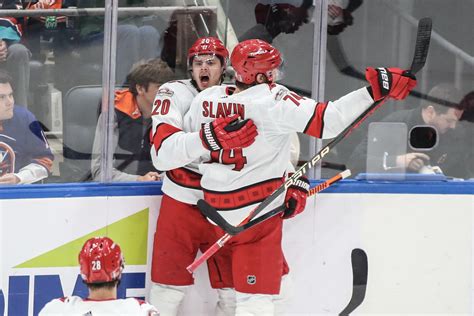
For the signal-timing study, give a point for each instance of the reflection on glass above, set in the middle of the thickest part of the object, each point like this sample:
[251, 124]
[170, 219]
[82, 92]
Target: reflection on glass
[442, 115]
[276, 17]
[388, 42]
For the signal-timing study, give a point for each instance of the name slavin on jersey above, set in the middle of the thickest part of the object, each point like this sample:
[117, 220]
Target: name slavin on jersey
[222, 109]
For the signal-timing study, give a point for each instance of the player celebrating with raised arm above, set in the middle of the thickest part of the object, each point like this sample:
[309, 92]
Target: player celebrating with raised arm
[235, 181]
[101, 264]
[181, 229]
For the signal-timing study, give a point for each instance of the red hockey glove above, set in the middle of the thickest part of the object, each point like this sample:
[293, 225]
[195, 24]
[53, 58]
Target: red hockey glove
[295, 198]
[390, 82]
[228, 133]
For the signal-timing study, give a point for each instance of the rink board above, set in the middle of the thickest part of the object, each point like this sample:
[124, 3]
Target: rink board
[417, 236]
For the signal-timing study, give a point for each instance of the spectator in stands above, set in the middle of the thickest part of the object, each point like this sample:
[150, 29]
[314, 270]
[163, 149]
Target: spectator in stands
[14, 56]
[467, 103]
[135, 41]
[25, 156]
[442, 111]
[276, 17]
[461, 141]
[101, 263]
[132, 124]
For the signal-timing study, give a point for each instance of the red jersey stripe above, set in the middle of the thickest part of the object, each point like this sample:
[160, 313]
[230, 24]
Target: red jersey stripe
[185, 178]
[162, 132]
[255, 193]
[316, 122]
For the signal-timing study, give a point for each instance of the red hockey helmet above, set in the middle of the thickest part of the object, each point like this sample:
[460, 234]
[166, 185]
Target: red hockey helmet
[252, 57]
[208, 46]
[101, 260]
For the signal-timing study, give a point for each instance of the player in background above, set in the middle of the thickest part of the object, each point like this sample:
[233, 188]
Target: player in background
[236, 181]
[181, 229]
[101, 264]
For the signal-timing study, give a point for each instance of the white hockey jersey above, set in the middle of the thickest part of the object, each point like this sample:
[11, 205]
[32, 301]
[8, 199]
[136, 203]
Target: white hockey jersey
[74, 305]
[173, 148]
[234, 181]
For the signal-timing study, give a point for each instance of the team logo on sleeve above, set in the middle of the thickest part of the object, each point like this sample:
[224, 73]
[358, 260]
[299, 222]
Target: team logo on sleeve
[7, 159]
[280, 94]
[165, 92]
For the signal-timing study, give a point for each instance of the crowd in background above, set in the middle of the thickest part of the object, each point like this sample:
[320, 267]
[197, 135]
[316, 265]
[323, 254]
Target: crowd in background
[40, 52]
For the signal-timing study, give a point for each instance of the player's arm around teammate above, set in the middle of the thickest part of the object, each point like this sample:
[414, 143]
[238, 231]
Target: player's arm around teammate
[181, 230]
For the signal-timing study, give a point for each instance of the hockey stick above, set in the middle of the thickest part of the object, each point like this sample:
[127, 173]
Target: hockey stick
[220, 243]
[419, 59]
[213, 215]
[360, 269]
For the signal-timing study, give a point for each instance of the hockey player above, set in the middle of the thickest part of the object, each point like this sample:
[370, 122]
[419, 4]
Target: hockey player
[181, 229]
[235, 181]
[101, 263]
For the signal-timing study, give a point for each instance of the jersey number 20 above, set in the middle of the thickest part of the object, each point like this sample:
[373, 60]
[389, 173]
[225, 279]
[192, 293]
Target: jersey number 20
[161, 107]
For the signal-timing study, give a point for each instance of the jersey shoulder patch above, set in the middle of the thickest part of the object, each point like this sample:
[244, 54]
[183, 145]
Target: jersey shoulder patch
[280, 93]
[165, 91]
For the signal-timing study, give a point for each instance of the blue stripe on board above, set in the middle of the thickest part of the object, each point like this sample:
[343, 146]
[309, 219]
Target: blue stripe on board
[34, 191]
[137, 189]
[401, 187]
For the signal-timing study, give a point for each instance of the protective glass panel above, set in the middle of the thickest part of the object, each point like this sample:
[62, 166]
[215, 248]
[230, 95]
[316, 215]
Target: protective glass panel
[56, 54]
[443, 95]
[386, 147]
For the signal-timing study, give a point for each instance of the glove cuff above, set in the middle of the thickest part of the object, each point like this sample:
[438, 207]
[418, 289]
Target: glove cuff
[302, 184]
[208, 137]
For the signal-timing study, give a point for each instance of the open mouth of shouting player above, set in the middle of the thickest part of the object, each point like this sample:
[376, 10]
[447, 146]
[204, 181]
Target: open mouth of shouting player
[207, 71]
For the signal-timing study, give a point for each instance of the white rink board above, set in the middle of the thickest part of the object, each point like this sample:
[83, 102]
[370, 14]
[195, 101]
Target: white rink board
[419, 249]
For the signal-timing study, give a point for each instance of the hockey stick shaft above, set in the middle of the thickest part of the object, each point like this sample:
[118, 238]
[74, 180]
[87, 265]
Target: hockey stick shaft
[338, 56]
[211, 213]
[221, 242]
[419, 59]
[282, 208]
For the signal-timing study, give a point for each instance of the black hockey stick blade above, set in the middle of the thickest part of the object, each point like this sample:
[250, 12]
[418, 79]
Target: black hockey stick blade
[211, 213]
[360, 269]
[423, 37]
[264, 217]
[207, 209]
